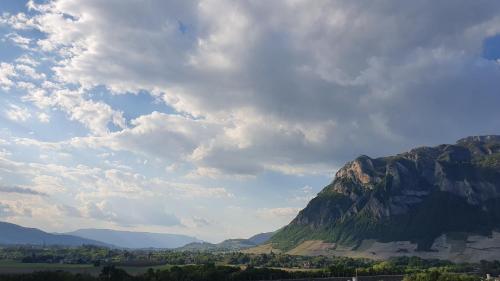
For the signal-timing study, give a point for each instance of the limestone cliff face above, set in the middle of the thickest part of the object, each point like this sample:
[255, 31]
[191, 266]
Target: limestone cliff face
[414, 196]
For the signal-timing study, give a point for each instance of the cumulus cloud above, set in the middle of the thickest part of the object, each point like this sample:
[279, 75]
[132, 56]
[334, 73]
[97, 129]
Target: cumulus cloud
[45, 94]
[43, 117]
[17, 113]
[7, 72]
[27, 60]
[95, 115]
[248, 88]
[19, 40]
[156, 134]
[19, 21]
[29, 72]
[289, 86]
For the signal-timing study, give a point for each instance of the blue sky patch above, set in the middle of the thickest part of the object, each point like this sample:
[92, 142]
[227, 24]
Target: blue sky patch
[491, 48]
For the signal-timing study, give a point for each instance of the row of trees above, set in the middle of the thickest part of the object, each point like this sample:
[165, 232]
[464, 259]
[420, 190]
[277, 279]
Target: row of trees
[207, 272]
[213, 273]
[440, 276]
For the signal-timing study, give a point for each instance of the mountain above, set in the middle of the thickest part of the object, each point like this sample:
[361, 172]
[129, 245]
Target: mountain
[441, 202]
[13, 234]
[261, 238]
[135, 240]
[199, 247]
[228, 245]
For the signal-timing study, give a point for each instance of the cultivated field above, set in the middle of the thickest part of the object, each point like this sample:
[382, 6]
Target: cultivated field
[12, 267]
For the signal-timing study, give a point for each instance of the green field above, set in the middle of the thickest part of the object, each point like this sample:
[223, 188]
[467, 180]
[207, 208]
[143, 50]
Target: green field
[14, 267]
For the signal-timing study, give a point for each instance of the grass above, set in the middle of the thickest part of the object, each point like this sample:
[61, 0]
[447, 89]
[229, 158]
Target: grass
[311, 247]
[15, 264]
[12, 267]
[15, 267]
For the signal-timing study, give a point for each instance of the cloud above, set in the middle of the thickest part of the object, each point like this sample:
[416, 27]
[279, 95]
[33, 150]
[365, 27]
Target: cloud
[18, 113]
[43, 117]
[289, 86]
[49, 94]
[19, 21]
[20, 190]
[69, 211]
[14, 210]
[7, 72]
[19, 40]
[168, 136]
[27, 60]
[139, 215]
[5, 211]
[99, 183]
[196, 222]
[95, 115]
[104, 195]
[29, 72]
[280, 213]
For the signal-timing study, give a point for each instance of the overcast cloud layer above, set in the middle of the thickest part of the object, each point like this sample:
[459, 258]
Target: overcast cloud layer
[192, 110]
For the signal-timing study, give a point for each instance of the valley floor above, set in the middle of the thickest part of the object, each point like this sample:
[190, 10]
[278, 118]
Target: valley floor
[9, 267]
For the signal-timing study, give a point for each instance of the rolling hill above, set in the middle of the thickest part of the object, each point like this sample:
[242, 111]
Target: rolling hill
[228, 245]
[12, 234]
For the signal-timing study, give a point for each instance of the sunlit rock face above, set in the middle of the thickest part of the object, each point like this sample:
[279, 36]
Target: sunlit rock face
[415, 196]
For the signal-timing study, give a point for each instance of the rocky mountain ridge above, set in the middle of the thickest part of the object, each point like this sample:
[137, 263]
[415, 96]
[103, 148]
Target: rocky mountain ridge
[416, 196]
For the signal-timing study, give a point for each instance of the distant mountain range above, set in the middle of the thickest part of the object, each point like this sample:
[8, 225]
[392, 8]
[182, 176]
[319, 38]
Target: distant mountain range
[229, 244]
[135, 240]
[433, 202]
[12, 234]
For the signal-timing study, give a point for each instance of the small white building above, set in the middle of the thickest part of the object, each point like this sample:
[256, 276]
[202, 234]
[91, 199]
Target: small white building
[491, 278]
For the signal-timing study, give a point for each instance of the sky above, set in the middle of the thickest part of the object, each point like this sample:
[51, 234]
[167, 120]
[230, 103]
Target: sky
[222, 119]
